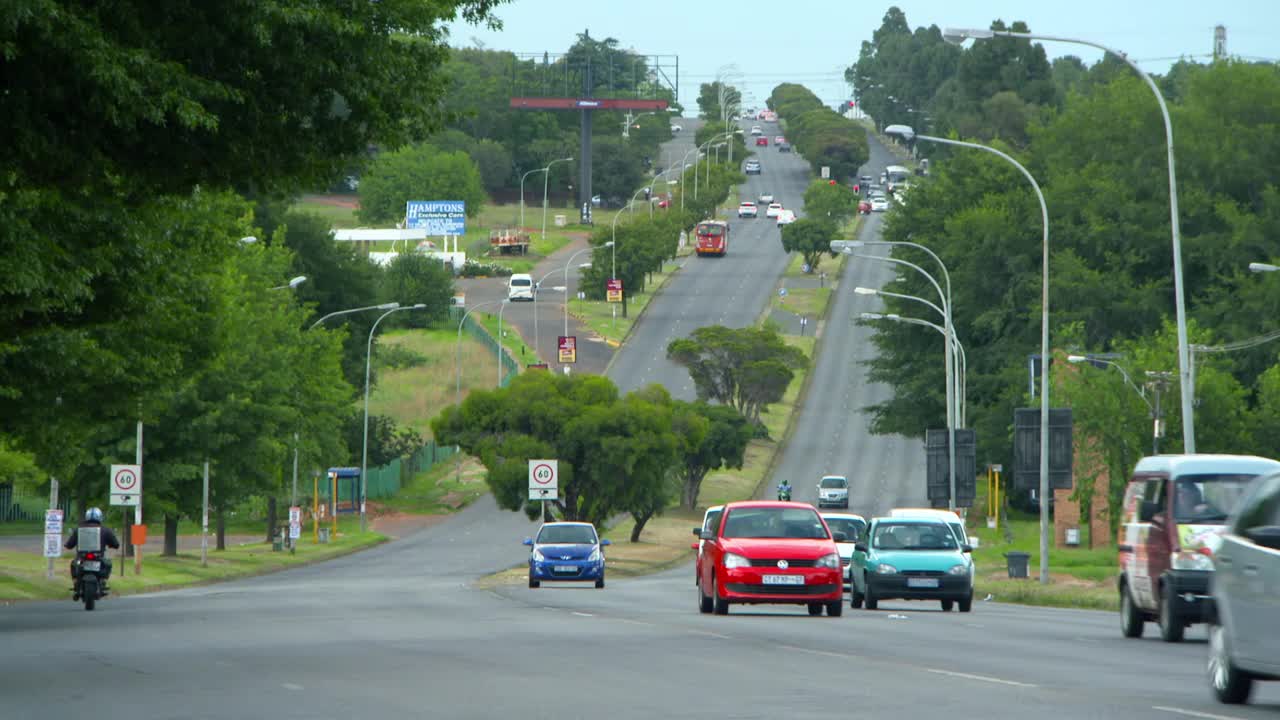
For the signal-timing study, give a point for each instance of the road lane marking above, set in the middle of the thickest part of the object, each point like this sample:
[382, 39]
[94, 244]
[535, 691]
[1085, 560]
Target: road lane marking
[824, 653]
[636, 622]
[582, 614]
[1193, 713]
[290, 686]
[708, 632]
[982, 678]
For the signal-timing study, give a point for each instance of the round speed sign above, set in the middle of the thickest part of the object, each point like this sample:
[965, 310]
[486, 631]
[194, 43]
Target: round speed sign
[543, 474]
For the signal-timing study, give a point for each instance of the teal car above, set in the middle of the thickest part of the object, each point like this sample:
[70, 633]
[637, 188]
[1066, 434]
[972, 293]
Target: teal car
[911, 559]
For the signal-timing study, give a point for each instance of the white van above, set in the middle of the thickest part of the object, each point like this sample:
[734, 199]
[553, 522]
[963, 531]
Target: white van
[520, 287]
[946, 516]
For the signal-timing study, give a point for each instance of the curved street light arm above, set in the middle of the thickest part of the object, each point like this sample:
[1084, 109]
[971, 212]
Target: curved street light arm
[383, 306]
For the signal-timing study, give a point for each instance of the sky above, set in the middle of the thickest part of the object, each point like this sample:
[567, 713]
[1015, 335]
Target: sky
[811, 42]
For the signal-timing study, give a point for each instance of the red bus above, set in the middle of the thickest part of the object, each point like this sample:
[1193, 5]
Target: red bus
[713, 237]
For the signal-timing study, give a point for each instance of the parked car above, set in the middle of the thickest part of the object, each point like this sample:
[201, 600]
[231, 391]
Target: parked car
[1174, 514]
[911, 559]
[762, 141]
[773, 209]
[710, 522]
[748, 209]
[520, 287]
[833, 491]
[771, 552]
[566, 551]
[1244, 637]
[852, 526]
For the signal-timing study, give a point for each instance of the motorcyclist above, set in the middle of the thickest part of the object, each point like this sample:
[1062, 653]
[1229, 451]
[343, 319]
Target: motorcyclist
[784, 488]
[93, 518]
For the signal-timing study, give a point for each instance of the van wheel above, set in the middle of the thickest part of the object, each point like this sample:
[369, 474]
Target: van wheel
[1131, 620]
[1170, 627]
[1230, 684]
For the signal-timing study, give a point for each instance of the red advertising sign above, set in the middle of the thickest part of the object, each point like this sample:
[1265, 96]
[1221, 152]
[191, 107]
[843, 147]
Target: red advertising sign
[568, 349]
[613, 290]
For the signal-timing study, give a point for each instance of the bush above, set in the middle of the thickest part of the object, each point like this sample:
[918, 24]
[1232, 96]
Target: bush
[475, 269]
[399, 357]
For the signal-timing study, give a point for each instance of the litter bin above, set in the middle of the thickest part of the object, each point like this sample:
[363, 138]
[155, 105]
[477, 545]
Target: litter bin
[1018, 562]
[324, 536]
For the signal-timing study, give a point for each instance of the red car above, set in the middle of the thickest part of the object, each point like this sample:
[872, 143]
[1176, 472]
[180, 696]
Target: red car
[762, 141]
[864, 207]
[770, 552]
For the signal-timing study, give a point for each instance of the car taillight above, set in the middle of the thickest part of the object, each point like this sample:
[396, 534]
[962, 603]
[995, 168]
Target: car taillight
[91, 556]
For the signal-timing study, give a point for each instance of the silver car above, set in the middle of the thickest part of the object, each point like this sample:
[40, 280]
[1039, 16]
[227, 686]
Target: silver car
[1244, 637]
[833, 491]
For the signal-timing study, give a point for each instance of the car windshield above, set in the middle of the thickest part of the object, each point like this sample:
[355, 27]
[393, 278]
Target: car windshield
[710, 230]
[914, 536]
[567, 535]
[521, 282]
[851, 527]
[1208, 498]
[834, 482]
[774, 522]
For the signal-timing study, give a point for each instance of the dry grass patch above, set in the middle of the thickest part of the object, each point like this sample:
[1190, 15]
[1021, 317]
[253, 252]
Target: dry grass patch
[416, 394]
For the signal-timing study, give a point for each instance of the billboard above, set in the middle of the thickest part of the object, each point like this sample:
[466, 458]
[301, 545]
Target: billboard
[437, 217]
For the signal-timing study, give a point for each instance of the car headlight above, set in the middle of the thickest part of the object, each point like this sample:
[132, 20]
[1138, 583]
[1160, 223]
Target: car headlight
[595, 556]
[960, 569]
[733, 561]
[886, 569]
[831, 561]
[537, 556]
[1190, 560]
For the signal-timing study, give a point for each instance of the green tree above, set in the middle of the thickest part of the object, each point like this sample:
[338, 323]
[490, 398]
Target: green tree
[418, 172]
[833, 202]
[413, 278]
[747, 369]
[712, 437]
[811, 237]
[709, 97]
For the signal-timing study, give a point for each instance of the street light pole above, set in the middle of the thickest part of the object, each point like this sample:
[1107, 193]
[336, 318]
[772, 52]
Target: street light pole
[1045, 358]
[1155, 428]
[501, 353]
[1184, 352]
[566, 283]
[545, 180]
[364, 453]
[522, 177]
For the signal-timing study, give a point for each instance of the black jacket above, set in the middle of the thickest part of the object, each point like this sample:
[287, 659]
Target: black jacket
[108, 538]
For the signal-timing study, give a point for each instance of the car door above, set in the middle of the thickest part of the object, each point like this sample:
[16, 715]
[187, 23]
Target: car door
[1248, 575]
[858, 561]
[1152, 546]
[710, 552]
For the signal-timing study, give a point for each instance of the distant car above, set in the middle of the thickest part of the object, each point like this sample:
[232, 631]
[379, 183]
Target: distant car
[778, 140]
[864, 207]
[771, 552]
[766, 197]
[762, 141]
[664, 203]
[773, 210]
[751, 167]
[852, 526]
[675, 128]
[786, 217]
[1244, 637]
[784, 147]
[710, 522]
[757, 130]
[520, 287]
[566, 551]
[879, 204]
[833, 491]
[911, 559]
[748, 209]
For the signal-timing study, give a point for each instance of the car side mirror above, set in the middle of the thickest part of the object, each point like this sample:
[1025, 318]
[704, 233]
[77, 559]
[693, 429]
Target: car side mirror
[528, 541]
[839, 536]
[860, 547]
[1267, 536]
[1148, 510]
[975, 542]
[966, 548]
[606, 541]
[707, 535]
[697, 532]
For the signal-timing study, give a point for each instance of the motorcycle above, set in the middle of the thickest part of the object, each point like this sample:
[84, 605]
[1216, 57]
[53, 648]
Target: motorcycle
[88, 587]
[784, 494]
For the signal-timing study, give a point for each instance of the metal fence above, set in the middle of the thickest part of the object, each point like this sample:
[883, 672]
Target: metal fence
[509, 365]
[16, 505]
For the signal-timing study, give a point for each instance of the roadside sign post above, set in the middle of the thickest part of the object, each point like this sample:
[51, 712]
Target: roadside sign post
[295, 526]
[568, 349]
[204, 519]
[52, 528]
[126, 491]
[544, 482]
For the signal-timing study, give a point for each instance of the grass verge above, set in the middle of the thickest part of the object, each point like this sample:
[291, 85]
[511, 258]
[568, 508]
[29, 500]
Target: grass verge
[414, 394]
[441, 489]
[22, 575]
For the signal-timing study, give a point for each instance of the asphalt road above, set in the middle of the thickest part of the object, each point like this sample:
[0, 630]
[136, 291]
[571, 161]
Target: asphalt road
[400, 631]
[832, 435]
[732, 290]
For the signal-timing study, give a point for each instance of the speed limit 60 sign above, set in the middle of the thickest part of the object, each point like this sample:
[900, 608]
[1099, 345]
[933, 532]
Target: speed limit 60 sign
[544, 479]
[126, 485]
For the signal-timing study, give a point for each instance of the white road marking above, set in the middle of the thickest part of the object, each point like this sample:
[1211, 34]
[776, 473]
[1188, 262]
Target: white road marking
[582, 614]
[1193, 713]
[290, 686]
[712, 634]
[983, 678]
[824, 653]
[636, 622]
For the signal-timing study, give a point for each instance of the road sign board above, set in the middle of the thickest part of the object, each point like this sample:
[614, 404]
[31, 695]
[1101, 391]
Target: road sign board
[613, 290]
[126, 485]
[439, 217]
[568, 349]
[826, 172]
[295, 515]
[53, 545]
[295, 531]
[544, 479]
[53, 522]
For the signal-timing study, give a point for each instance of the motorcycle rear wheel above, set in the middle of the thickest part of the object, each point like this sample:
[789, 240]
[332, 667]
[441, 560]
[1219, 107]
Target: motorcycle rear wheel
[89, 592]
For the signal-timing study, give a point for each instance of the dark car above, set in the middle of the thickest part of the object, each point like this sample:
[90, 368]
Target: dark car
[784, 147]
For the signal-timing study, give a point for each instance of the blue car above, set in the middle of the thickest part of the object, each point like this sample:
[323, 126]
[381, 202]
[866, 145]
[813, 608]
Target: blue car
[911, 559]
[566, 551]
